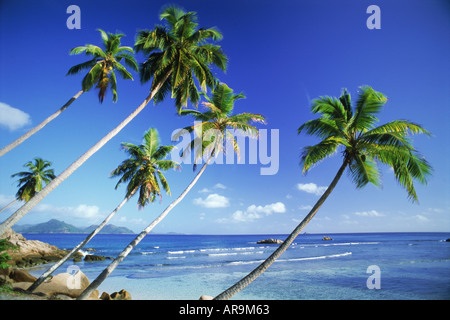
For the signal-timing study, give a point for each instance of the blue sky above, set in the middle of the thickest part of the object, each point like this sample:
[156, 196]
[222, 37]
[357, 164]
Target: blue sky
[281, 55]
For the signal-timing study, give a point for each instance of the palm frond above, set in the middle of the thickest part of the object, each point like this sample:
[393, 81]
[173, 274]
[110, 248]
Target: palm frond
[312, 155]
[79, 67]
[129, 60]
[369, 103]
[322, 127]
[113, 84]
[363, 170]
[398, 126]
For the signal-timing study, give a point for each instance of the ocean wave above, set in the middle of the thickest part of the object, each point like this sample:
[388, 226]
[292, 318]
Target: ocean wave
[233, 253]
[231, 249]
[85, 253]
[348, 244]
[165, 266]
[180, 252]
[234, 263]
[316, 245]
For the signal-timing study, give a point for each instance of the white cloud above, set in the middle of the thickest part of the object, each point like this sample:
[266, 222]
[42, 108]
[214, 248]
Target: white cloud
[307, 207]
[277, 207]
[216, 186]
[371, 213]
[82, 211]
[135, 221]
[13, 118]
[254, 212]
[311, 188]
[213, 200]
[244, 216]
[421, 218]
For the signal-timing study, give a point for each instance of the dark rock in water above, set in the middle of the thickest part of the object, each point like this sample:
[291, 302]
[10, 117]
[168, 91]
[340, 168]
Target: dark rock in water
[270, 241]
[121, 295]
[447, 240]
[92, 257]
[326, 238]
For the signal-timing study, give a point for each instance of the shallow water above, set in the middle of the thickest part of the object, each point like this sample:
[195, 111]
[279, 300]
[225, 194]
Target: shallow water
[411, 265]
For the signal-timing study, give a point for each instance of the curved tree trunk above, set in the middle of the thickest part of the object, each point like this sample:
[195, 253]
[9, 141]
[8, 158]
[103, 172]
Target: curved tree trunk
[8, 223]
[53, 268]
[24, 137]
[8, 205]
[241, 284]
[94, 285]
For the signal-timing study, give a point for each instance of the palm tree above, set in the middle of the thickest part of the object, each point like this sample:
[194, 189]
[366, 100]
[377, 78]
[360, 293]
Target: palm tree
[195, 52]
[180, 51]
[217, 118]
[143, 172]
[101, 72]
[32, 181]
[364, 146]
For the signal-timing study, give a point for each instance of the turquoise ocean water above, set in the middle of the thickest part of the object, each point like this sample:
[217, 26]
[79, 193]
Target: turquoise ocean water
[408, 265]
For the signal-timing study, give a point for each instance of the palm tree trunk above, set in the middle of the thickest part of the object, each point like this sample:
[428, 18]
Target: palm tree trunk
[53, 268]
[24, 137]
[9, 204]
[94, 285]
[8, 223]
[241, 284]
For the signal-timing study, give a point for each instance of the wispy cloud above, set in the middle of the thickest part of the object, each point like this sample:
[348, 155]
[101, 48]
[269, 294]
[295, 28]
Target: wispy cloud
[213, 200]
[13, 118]
[371, 213]
[311, 188]
[82, 211]
[216, 186]
[421, 218]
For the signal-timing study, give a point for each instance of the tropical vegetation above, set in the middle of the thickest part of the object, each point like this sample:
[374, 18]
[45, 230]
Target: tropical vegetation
[362, 145]
[101, 73]
[143, 171]
[33, 180]
[213, 132]
[177, 54]
[180, 59]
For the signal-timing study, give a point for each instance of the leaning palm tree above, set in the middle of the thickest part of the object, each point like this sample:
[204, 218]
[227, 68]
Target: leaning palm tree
[363, 146]
[33, 180]
[143, 172]
[101, 73]
[196, 55]
[213, 131]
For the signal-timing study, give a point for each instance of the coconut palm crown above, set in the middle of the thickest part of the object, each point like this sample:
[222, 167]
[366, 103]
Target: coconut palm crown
[212, 126]
[104, 63]
[365, 145]
[32, 181]
[143, 169]
[183, 51]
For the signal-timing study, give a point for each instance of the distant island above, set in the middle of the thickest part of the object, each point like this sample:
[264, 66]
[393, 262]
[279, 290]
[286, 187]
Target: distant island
[57, 226]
